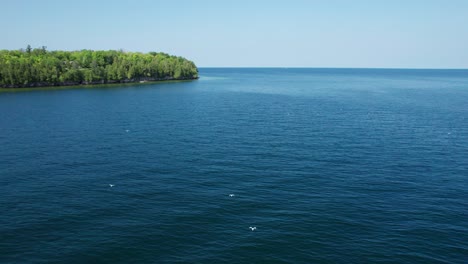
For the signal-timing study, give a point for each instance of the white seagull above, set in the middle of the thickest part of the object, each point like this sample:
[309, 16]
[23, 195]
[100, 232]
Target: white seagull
[231, 195]
[253, 228]
[111, 185]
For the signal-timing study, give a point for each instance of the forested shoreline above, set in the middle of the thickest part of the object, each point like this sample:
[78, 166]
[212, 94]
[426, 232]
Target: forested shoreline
[40, 67]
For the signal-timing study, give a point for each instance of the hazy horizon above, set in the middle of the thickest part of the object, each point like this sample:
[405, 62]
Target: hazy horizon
[298, 34]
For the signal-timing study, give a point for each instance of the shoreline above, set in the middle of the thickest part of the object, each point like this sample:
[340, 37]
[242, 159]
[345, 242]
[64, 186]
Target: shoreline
[96, 84]
[40, 85]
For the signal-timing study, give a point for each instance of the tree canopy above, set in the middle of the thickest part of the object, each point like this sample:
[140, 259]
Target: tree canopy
[39, 67]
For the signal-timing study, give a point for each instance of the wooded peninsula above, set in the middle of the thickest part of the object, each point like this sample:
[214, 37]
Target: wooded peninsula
[40, 67]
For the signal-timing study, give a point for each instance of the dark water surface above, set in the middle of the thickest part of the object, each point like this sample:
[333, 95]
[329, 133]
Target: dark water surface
[330, 165]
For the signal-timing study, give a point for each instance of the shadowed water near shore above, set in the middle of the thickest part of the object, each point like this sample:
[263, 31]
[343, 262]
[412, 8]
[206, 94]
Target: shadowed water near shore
[96, 86]
[329, 165]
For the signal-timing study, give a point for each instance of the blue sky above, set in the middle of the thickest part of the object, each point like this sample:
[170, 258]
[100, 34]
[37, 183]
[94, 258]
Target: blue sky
[293, 33]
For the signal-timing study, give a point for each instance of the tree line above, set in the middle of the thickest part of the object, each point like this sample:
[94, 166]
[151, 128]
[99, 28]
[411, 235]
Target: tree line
[39, 67]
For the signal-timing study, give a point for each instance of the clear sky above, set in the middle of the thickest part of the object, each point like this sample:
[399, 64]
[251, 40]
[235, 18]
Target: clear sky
[286, 33]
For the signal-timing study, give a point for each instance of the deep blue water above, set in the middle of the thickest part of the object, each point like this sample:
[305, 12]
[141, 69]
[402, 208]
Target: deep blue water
[330, 166]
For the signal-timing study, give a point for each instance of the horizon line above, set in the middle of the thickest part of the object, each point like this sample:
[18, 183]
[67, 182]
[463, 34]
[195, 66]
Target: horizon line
[306, 67]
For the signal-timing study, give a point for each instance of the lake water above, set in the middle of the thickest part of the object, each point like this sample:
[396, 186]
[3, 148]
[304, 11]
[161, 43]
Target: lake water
[329, 165]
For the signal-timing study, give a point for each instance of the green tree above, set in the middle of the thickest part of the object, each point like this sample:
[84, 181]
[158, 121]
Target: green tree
[30, 67]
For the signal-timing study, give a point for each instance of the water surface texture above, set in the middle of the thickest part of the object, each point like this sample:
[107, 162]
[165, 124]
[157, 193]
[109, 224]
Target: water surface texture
[329, 165]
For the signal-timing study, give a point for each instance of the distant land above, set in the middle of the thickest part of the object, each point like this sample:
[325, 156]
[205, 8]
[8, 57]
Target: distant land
[41, 68]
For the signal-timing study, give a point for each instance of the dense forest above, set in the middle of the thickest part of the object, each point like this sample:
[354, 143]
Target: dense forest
[40, 67]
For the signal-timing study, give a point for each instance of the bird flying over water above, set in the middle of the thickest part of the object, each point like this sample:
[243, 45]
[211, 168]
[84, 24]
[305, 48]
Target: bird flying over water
[111, 185]
[253, 228]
